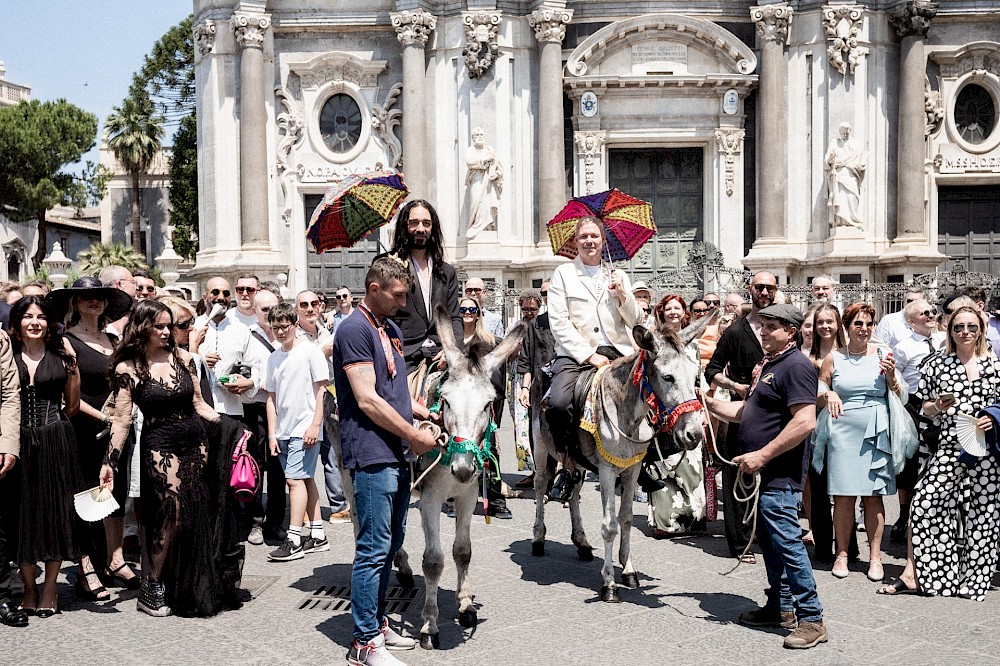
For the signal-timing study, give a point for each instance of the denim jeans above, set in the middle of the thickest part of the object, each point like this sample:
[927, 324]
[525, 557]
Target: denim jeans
[789, 571]
[381, 498]
[331, 472]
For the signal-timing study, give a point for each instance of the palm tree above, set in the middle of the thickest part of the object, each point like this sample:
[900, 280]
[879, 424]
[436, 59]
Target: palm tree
[98, 256]
[134, 133]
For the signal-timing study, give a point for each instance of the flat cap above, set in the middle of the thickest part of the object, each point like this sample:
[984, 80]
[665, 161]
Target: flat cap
[783, 312]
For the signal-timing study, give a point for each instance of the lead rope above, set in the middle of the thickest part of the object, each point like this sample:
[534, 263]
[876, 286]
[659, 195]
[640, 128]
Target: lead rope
[746, 489]
[442, 442]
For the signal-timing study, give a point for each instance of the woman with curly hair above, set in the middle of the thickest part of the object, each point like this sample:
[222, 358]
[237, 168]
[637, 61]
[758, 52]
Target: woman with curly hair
[180, 572]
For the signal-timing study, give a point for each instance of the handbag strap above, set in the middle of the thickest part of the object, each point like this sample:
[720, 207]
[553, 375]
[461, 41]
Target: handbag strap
[241, 446]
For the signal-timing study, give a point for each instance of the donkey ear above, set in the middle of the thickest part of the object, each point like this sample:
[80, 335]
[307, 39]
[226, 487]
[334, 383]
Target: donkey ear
[442, 321]
[695, 330]
[644, 339]
[509, 346]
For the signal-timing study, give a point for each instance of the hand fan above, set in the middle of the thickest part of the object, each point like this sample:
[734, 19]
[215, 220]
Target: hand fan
[95, 504]
[971, 437]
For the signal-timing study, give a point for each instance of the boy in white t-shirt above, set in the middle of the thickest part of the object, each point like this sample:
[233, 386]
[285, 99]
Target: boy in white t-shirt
[297, 375]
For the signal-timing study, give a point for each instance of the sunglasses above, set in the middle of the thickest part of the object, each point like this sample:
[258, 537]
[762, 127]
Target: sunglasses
[224, 292]
[928, 313]
[529, 310]
[184, 325]
[149, 289]
[699, 310]
[308, 304]
[713, 303]
[765, 287]
[343, 297]
[473, 290]
[545, 293]
[468, 310]
[862, 324]
[971, 328]
[246, 290]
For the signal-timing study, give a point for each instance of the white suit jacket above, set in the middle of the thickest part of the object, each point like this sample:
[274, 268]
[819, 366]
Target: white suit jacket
[576, 313]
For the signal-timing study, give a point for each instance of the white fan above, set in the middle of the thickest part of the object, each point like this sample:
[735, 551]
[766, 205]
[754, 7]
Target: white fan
[95, 504]
[970, 435]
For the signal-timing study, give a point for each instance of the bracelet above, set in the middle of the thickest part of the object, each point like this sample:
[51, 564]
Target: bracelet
[274, 437]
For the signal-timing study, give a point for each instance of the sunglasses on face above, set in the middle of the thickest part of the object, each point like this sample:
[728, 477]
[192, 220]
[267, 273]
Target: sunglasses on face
[862, 324]
[343, 297]
[224, 292]
[149, 289]
[246, 290]
[699, 310]
[713, 304]
[308, 304]
[971, 328]
[184, 325]
[473, 290]
[765, 287]
[529, 310]
[928, 313]
[468, 310]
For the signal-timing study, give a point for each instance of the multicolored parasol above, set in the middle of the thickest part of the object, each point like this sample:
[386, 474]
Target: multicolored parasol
[628, 224]
[354, 207]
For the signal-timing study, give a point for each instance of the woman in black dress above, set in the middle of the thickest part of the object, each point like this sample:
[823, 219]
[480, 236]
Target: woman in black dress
[50, 472]
[181, 573]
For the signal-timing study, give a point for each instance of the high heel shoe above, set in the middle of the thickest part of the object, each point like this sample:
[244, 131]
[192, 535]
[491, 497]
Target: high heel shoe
[43, 613]
[90, 594]
[112, 579]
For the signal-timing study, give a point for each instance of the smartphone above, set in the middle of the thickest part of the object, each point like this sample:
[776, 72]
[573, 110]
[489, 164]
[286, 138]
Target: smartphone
[947, 397]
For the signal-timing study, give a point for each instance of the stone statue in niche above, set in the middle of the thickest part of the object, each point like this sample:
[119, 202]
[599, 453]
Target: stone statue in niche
[847, 162]
[485, 182]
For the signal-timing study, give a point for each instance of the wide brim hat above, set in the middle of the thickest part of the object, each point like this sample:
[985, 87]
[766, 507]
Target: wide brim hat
[118, 302]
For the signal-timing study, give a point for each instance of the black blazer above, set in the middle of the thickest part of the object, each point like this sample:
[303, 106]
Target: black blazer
[413, 321]
[538, 347]
[737, 352]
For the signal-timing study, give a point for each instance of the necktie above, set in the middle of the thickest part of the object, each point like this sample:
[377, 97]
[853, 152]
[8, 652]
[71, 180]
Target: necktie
[930, 345]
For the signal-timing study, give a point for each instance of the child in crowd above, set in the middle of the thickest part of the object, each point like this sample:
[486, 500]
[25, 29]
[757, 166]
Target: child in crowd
[297, 375]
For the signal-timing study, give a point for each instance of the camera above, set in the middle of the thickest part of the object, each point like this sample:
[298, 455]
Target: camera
[241, 369]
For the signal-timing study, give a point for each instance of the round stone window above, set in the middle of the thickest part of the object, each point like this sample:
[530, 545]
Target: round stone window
[975, 114]
[340, 123]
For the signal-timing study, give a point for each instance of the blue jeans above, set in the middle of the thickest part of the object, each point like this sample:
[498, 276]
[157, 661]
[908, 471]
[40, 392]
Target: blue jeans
[789, 571]
[381, 498]
[331, 472]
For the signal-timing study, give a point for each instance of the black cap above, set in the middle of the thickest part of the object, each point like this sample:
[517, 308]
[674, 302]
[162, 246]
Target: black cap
[783, 312]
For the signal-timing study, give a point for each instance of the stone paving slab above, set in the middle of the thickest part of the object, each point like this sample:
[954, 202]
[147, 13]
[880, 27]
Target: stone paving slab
[532, 610]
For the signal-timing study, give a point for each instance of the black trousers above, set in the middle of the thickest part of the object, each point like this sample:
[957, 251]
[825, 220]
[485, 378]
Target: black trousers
[737, 533]
[254, 513]
[10, 509]
[561, 413]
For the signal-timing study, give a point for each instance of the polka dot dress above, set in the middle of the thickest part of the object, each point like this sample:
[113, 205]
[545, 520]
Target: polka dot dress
[950, 492]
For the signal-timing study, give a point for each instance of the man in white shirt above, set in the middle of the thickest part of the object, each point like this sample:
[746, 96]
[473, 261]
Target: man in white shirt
[475, 289]
[121, 278]
[145, 286]
[343, 307]
[247, 286]
[893, 327]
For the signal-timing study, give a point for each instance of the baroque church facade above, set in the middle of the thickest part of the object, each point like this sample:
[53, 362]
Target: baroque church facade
[853, 138]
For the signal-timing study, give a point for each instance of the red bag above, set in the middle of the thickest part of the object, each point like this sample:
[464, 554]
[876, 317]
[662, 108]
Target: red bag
[245, 476]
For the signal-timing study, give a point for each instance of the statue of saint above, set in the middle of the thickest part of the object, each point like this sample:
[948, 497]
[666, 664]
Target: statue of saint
[847, 162]
[485, 182]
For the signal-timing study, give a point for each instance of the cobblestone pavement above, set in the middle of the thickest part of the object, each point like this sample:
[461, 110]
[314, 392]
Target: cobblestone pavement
[532, 610]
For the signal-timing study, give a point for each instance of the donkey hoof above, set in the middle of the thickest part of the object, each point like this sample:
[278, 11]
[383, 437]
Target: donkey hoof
[468, 619]
[585, 554]
[631, 580]
[609, 594]
[404, 579]
[430, 641]
[538, 548]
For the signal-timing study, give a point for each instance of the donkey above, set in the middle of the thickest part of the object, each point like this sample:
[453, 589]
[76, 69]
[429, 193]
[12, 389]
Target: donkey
[465, 397]
[648, 394]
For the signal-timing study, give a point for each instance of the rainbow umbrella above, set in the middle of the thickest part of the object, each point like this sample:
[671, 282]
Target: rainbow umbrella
[628, 224]
[354, 207]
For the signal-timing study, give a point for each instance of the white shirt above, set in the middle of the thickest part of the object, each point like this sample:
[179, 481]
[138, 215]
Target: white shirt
[493, 323]
[892, 329]
[600, 281]
[911, 352]
[291, 377]
[230, 339]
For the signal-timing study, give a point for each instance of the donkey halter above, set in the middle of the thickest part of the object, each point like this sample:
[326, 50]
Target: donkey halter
[449, 445]
[660, 417]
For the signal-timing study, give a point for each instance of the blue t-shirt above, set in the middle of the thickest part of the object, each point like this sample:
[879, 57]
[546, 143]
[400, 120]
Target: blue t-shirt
[363, 443]
[791, 379]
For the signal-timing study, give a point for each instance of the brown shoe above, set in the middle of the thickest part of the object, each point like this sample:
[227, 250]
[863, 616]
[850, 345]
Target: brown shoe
[807, 635]
[765, 617]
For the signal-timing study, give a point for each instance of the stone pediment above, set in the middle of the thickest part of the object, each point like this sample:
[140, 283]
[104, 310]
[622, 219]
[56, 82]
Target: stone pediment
[662, 50]
[976, 56]
[338, 66]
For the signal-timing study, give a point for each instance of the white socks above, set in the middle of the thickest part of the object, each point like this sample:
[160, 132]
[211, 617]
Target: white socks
[295, 534]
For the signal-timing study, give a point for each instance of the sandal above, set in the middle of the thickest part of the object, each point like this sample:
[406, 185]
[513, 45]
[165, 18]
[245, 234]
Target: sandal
[898, 587]
[12, 616]
[747, 558]
[91, 593]
[112, 579]
[875, 571]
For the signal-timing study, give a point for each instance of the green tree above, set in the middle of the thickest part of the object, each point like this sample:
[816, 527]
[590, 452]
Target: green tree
[37, 141]
[134, 133]
[98, 256]
[184, 188]
[167, 73]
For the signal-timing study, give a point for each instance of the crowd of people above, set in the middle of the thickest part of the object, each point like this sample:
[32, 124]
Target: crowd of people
[109, 384]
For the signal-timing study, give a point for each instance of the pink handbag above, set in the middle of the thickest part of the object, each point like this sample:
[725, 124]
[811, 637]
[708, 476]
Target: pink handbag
[245, 477]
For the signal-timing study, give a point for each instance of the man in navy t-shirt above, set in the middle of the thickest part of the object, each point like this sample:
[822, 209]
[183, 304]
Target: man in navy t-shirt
[376, 429]
[780, 407]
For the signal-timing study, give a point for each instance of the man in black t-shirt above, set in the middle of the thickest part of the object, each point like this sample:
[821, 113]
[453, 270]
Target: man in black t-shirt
[780, 407]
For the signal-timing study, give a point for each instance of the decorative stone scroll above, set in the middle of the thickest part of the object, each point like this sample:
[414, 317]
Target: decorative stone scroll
[290, 124]
[385, 120]
[913, 18]
[481, 48]
[730, 141]
[772, 21]
[550, 24]
[250, 29]
[933, 108]
[413, 27]
[204, 37]
[590, 146]
[843, 25]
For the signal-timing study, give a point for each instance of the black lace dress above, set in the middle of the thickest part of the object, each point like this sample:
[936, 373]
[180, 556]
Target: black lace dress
[50, 471]
[180, 541]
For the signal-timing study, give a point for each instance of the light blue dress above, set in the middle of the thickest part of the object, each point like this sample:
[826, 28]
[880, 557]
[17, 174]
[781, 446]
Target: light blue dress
[859, 455]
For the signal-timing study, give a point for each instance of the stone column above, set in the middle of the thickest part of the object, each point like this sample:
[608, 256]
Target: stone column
[550, 29]
[250, 31]
[772, 26]
[412, 30]
[911, 21]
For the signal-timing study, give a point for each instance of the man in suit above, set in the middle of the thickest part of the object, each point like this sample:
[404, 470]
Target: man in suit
[537, 350]
[591, 313]
[418, 241]
[10, 449]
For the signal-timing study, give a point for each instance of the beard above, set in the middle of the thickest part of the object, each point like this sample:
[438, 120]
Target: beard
[417, 242]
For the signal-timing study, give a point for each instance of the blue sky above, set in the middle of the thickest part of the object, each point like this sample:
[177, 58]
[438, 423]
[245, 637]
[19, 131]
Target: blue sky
[85, 51]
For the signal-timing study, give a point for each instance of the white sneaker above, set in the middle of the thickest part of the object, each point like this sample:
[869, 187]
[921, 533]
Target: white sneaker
[395, 641]
[373, 653]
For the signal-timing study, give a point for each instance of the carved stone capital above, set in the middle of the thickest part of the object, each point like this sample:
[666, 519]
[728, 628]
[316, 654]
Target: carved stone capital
[413, 28]
[913, 18]
[730, 142]
[550, 24]
[204, 37]
[250, 29]
[481, 48]
[843, 25]
[589, 144]
[772, 21]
